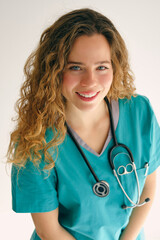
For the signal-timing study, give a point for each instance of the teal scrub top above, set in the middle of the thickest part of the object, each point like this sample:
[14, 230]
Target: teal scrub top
[69, 184]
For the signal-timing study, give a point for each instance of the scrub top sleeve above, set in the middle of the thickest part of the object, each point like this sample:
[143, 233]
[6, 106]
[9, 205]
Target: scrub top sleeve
[154, 161]
[33, 189]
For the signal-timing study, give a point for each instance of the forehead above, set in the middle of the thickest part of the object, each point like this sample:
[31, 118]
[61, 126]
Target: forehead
[90, 47]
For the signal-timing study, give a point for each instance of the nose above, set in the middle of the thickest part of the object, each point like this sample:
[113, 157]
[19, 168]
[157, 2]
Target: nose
[88, 79]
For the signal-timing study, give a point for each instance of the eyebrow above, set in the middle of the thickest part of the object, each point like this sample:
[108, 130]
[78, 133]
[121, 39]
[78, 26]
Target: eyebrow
[80, 63]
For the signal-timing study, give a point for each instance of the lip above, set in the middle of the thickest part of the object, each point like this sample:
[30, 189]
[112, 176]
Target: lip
[87, 99]
[88, 92]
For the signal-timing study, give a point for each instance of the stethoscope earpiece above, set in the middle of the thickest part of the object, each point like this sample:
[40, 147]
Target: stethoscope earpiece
[101, 189]
[136, 205]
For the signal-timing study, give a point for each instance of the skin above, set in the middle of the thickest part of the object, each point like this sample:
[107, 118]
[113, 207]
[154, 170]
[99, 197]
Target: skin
[89, 73]
[86, 81]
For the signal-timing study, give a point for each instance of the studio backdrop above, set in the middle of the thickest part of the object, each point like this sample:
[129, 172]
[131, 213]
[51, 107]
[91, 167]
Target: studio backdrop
[21, 24]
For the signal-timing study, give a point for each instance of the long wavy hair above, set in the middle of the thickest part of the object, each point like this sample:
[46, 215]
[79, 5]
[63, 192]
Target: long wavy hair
[41, 104]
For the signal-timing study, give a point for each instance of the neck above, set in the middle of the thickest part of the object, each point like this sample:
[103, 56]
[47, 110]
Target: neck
[81, 120]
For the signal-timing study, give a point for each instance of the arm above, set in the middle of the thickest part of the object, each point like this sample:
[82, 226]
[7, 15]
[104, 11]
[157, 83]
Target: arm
[48, 227]
[139, 214]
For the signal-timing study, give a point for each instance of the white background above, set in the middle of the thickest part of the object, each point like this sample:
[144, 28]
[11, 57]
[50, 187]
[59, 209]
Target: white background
[21, 24]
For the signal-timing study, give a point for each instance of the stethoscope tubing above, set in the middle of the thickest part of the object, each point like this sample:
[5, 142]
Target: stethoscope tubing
[116, 144]
[115, 174]
[106, 185]
[113, 148]
[82, 154]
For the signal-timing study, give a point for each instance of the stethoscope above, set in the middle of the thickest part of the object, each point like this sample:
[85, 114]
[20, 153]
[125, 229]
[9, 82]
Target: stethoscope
[101, 187]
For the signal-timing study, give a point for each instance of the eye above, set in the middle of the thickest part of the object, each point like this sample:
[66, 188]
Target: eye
[75, 68]
[101, 68]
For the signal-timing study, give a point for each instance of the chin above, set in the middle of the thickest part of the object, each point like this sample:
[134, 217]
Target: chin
[86, 107]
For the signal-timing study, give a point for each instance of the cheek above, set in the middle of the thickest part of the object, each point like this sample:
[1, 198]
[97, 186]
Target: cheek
[68, 83]
[107, 79]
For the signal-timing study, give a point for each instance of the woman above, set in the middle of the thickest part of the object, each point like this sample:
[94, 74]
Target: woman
[77, 80]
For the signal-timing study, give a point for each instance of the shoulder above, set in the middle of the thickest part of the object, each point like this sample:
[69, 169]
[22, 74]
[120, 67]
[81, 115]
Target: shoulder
[138, 111]
[135, 100]
[138, 104]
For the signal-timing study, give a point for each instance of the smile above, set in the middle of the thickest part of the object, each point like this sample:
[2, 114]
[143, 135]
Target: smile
[87, 95]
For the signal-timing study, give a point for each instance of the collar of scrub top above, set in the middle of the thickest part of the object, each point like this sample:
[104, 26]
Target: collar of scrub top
[101, 187]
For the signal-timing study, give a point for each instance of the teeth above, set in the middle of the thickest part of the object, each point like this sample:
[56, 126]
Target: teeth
[87, 95]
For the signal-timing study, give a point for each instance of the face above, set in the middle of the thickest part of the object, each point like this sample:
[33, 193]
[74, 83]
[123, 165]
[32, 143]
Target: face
[88, 75]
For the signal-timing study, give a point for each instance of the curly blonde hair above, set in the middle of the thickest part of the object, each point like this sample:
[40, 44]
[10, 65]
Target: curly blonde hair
[41, 104]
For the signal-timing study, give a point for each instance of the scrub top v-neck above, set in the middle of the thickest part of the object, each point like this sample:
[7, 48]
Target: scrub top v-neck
[115, 113]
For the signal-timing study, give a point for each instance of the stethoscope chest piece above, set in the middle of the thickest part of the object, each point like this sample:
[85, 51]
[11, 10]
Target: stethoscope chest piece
[101, 189]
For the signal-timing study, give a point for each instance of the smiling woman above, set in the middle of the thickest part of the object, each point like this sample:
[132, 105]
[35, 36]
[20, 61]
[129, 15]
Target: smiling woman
[88, 75]
[77, 102]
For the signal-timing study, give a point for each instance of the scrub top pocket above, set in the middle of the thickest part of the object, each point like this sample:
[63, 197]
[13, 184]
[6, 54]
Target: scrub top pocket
[130, 185]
